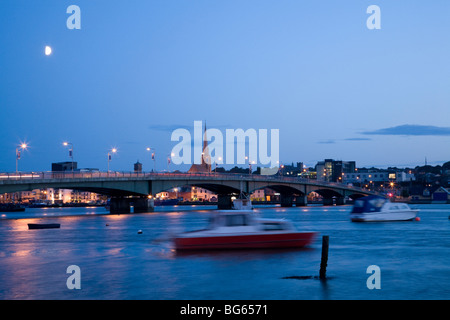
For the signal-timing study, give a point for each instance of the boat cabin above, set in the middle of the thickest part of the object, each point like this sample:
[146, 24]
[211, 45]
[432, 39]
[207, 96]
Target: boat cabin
[231, 219]
[242, 204]
[369, 204]
[244, 220]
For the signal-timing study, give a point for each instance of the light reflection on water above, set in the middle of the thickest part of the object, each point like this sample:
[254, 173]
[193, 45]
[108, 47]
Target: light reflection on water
[118, 263]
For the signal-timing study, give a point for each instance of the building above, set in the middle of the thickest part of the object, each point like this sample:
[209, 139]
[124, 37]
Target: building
[366, 176]
[138, 167]
[291, 170]
[200, 194]
[64, 166]
[377, 176]
[333, 170]
[258, 195]
[205, 165]
[52, 196]
[441, 195]
[187, 193]
[402, 176]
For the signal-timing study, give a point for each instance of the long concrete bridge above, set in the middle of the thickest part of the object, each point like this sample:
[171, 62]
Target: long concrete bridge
[138, 188]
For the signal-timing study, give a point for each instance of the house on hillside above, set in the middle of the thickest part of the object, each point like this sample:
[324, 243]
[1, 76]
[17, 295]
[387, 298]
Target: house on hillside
[440, 195]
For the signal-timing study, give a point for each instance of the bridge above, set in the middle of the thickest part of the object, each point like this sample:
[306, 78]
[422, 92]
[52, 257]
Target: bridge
[139, 188]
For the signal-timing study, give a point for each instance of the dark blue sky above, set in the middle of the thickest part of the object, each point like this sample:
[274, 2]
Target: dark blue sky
[139, 69]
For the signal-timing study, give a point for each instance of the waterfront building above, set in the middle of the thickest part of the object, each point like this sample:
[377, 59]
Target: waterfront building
[291, 170]
[402, 176]
[366, 176]
[333, 170]
[379, 176]
[188, 194]
[64, 166]
[52, 196]
[258, 195]
[138, 167]
[200, 194]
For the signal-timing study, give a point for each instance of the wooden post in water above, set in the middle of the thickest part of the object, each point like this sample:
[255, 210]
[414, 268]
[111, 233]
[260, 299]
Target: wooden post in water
[324, 259]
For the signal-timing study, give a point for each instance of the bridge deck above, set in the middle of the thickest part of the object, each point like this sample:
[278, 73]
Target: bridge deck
[8, 181]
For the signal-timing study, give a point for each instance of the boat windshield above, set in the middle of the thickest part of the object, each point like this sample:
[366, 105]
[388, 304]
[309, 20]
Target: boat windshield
[230, 220]
[369, 204]
[400, 206]
[236, 220]
[269, 226]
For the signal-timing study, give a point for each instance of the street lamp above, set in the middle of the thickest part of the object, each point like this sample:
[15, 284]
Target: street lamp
[23, 146]
[113, 150]
[250, 166]
[153, 157]
[70, 151]
[215, 162]
[169, 158]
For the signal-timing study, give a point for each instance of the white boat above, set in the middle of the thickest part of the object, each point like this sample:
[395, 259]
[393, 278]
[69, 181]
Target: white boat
[242, 204]
[379, 209]
[243, 229]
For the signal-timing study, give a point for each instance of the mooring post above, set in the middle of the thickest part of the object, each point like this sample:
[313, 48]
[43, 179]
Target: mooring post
[324, 259]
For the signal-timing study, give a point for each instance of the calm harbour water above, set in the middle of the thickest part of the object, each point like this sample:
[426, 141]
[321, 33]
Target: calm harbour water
[118, 263]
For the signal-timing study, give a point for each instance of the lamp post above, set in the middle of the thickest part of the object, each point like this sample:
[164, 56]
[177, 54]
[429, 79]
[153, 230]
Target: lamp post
[23, 146]
[215, 162]
[249, 165]
[113, 150]
[70, 151]
[169, 159]
[153, 157]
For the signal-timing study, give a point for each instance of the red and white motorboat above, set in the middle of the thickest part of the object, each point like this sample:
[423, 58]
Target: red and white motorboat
[243, 229]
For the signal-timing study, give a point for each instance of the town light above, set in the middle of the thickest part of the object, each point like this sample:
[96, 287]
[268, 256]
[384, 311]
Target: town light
[22, 146]
[113, 150]
[153, 157]
[65, 143]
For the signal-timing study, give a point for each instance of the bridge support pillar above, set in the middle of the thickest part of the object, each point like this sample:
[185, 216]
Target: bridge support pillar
[286, 201]
[340, 201]
[224, 202]
[142, 205]
[301, 201]
[119, 205]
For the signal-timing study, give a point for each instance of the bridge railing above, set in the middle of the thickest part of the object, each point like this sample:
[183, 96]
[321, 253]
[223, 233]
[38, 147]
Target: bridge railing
[34, 176]
[122, 174]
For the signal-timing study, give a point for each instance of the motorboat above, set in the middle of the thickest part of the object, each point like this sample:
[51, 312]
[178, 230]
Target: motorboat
[242, 204]
[33, 226]
[11, 207]
[243, 229]
[380, 209]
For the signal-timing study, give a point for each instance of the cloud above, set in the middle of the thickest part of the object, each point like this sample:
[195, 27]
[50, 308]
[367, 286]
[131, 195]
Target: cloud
[327, 141]
[168, 127]
[411, 130]
[357, 139]
[333, 141]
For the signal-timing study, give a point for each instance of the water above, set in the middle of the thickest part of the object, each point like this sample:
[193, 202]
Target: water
[118, 263]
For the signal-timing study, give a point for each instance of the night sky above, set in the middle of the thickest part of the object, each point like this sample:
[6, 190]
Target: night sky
[137, 70]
